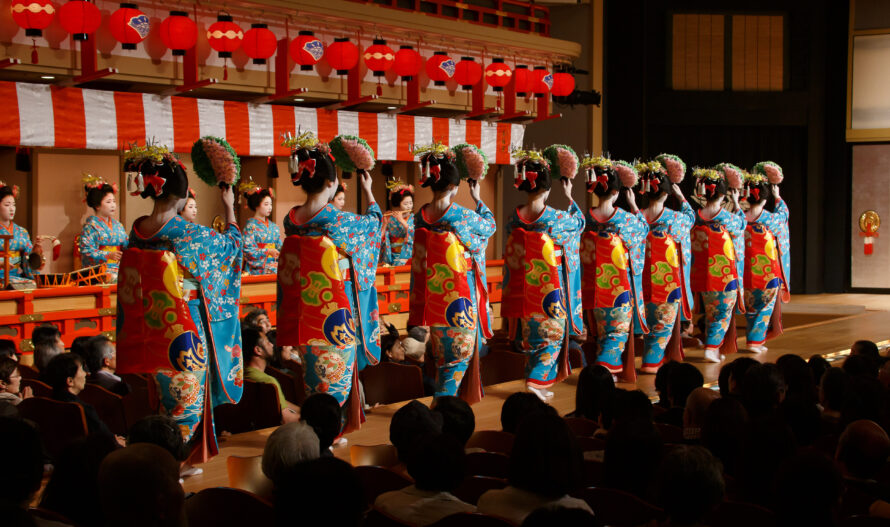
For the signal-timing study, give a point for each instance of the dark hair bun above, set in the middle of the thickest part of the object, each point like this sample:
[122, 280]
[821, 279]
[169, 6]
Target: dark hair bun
[95, 195]
[396, 197]
[448, 173]
[542, 179]
[255, 198]
[604, 187]
[313, 176]
[172, 181]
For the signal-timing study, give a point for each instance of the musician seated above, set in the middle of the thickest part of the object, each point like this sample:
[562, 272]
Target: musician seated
[20, 245]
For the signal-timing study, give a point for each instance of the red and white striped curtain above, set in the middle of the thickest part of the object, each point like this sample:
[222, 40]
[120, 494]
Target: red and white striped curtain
[44, 115]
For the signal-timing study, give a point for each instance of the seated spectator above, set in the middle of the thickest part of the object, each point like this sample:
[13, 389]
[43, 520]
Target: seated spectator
[409, 425]
[799, 408]
[595, 386]
[545, 466]
[661, 385]
[79, 347]
[458, 419]
[322, 412]
[807, 491]
[139, 487]
[767, 443]
[517, 407]
[763, 389]
[48, 343]
[690, 485]
[11, 390]
[697, 405]
[862, 453]
[633, 451]
[101, 360]
[437, 466]
[860, 366]
[736, 373]
[724, 430]
[67, 378]
[867, 349]
[23, 462]
[289, 445]
[628, 405]
[561, 516]
[832, 394]
[73, 488]
[324, 491]
[682, 379]
[818, 365]
[257, 319]
[159, 430]
[257, 354]
[7, 349]
[865, 399]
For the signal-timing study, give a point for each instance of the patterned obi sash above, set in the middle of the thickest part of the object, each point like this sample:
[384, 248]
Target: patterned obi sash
[662, 272]
[312, 278]
[533, 288]
[764, 269]
[440, 294]
[713, 259]
[605, 280]
[266, 246]
[109, 248]
[396, 244]
[14, 256]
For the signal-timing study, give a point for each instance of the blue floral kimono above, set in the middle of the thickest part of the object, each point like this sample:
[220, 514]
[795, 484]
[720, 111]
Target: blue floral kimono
[331, 368]
[20, 247]
[783, 238]
[100, 237]
[671, 227]
[398, 240]
[715, 269]
[613, 295]
[543, 333]
[455, 347]
[763, 280]
[210, 263]
[259, 237]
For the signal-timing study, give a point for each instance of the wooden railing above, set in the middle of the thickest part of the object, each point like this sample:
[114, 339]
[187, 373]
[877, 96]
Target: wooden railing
[507, 14]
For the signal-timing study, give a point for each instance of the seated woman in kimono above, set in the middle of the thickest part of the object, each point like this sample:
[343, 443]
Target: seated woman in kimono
[190, 212]
[398, 235]
[327, 302]
[262, 238]
[103, 238]
[20, 245]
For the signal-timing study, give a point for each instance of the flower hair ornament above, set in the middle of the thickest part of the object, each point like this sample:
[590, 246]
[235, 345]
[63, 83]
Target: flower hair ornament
[753, 182]
[705, 179]
[134, 156]
[396, 186]
[303, 141]
[249, 188]
[563, 161]
[772, 171]
[14, 188]
[649, 174]
[424, 153]
[627, 175]
[352, 154]
[676, 168]
[216, 162]
[733, 175]
[523, 158]
[193, 194]
[91, 182]
[471, 161]
[589, 165]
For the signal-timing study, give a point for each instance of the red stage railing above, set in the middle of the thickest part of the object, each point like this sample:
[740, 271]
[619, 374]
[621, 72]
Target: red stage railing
[507, 14]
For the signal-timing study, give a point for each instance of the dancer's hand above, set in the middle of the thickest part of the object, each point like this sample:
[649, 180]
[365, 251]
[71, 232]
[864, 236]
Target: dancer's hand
[675, 189]
[364, 179]
[567, 187]
[474, 190]
[227, 195]
[631, 200]
[775, 190]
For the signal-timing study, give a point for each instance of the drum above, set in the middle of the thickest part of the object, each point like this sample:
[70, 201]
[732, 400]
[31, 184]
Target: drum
[52, 280]
[94, 275]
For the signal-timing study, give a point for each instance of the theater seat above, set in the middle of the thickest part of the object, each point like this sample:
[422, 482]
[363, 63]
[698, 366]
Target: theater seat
[471, 519]
[108, 405]
[288, 386]
[472, 487]
[377, 455]
[492, 441]
[226, 506]
[246, 473]
[490, 464]
[388, 383]
[39, 388]
[581, 427]
[259, 408]
[59, 423]
[377, 480]
[618, 508]
[502, 366]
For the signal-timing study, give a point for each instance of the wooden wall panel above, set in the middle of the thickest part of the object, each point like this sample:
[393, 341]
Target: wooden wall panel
[758, 53]
[697, 52]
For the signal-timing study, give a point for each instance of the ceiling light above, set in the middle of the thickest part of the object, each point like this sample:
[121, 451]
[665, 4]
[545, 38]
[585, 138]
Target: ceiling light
[298, 99]
[48, 77]
[391, 107]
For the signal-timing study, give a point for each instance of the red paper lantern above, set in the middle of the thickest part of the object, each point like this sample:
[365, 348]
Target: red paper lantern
[521, 80]
[80, 18]
[179, 32]
[439, 68]
[129, 26]
[259, 43]
[468, 72]
[342, 55]
[33, 15]
[498, 74]
[225, 36]
[542, 81]
[563, 84]
[306, 50]
[407, 63]
[379, 58]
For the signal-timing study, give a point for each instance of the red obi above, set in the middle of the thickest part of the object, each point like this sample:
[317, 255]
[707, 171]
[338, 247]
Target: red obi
[605, 280]
[440, 294]
[713, 259]
[314, 308]
[662, 272]
[533, 287]
[155, 327]
[763, 269]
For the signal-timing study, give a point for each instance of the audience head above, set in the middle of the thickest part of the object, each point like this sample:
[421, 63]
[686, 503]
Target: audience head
[153, 499]
[99, 353]
[390, 344]
[627, 405]
[864, 399]
[65, 374]
[517, 407]
[690, 484]
[562, 516]
[763, 389]
[437, 463]
[682, 379]
[7, 349]
[10, 378]
[289, 445]
[633, 450]
[321, 411]
[409, 425]
[818, 365]
[833, 389]
[737, 370]
[73, 488]
[159, 430]
[863, 449]
[697, 405]
[807, 491]
[723, 431]
[595, 385]
[861, 366]
[768, 442]
[255, 345]
[545, 459]
[258, 319]
[798, 378]
[310, 492]
[661, 383]
[458, 420]
[23, 465]
[48, 343]
[867, 349]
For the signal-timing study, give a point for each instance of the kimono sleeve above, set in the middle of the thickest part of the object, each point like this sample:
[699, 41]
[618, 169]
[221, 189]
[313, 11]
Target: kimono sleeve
[218, 251]
[386, 246]
[685, 218]
[485, 226]
[568, 225]
[89, 244]
[250, 244]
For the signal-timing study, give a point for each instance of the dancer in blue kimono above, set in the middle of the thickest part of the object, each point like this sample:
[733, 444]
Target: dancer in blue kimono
[612, 255]
[448, 285]
[715, 271]
[398, 233]
[188, 335]
[541, 299]
[262, 238]
[327, 301]
[666, 288]
[20, 246]
[764, 271]
[103, 238]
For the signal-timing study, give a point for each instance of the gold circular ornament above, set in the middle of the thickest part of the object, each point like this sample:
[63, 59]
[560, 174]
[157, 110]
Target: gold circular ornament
[218, 224]
[869, 222]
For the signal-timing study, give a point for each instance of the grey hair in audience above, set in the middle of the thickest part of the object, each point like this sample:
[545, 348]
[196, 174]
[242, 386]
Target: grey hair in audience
[287, 446]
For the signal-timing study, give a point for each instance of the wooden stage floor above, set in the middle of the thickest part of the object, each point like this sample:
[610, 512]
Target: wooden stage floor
[814, 324]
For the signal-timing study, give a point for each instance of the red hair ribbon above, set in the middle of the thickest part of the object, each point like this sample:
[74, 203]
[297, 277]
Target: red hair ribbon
[602, 179]
[711, 186]
[434, 171]
[307, 165]
[756, 193]
[157, 182]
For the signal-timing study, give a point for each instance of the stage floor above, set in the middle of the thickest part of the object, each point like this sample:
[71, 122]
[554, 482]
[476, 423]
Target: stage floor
[814, 324]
